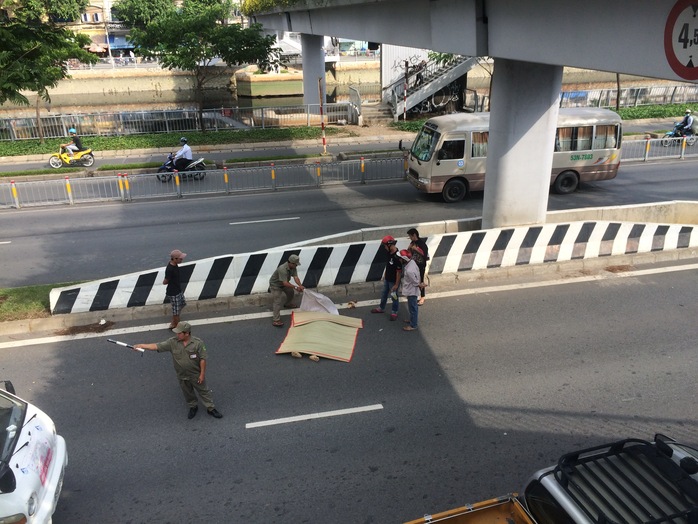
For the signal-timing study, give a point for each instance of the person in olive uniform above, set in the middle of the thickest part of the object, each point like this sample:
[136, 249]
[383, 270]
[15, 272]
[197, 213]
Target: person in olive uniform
[189, 358]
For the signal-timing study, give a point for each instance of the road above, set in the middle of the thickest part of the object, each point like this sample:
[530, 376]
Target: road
[493, 386]
[85, 242]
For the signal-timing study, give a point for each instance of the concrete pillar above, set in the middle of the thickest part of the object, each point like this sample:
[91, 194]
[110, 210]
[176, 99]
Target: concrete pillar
[523, 119]
[313, 67]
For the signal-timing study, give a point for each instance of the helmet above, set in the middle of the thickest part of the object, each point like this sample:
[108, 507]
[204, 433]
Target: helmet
[387, 239]
[405, 254]
[72, 130]
[688, 111]
[183, 140]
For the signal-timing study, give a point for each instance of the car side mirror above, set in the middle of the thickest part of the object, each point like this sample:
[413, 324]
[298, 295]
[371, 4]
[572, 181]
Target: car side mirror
[8, 482]
[9, 387]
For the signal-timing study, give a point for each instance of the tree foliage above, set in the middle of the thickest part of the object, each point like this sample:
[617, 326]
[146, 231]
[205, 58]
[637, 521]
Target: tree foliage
[195, 36]
[34, 48]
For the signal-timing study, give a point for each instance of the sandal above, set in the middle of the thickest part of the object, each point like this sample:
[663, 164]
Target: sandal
[277, 323]
[314, 358]
[409, 328]
[295, 354]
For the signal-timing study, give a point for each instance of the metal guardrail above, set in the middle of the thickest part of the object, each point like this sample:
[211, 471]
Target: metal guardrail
[126, 188]
[177, 121]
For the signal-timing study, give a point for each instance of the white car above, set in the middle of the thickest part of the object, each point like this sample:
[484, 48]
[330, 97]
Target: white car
[32, 461]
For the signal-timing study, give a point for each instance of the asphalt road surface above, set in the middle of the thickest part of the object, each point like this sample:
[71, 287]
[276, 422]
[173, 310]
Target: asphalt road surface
[494, 385]
[93, 241]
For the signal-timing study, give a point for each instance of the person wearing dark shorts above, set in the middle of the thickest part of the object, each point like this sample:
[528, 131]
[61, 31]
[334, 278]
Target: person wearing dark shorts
[174, 288]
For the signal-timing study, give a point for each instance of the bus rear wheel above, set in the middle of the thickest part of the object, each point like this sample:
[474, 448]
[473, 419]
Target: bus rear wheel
[566, 183]
[454, 191]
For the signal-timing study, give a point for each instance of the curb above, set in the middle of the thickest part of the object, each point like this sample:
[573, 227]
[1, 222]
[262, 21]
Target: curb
[342, 294]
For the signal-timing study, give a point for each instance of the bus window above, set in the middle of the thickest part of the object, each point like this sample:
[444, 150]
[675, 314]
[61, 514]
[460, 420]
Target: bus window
[425, 143]
[452, 150]
[606, 137]
[573, 138]
[480, 144]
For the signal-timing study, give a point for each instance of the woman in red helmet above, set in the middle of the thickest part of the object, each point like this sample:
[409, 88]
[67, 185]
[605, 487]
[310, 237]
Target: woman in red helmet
[391, 278]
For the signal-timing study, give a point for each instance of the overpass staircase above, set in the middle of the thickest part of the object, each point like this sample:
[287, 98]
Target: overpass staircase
[425, 81]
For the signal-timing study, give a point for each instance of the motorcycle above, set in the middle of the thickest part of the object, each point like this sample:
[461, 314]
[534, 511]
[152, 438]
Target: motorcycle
[676, 134]
[80, 158]
[196, 169]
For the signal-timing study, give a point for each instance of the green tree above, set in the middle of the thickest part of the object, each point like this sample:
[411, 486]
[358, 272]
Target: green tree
[34, 47]
[196, 35]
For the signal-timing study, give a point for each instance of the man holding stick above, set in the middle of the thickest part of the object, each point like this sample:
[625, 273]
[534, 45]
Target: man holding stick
[189, 358]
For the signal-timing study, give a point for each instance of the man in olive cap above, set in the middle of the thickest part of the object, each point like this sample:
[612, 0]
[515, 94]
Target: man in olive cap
[281, 288]
[189, 358]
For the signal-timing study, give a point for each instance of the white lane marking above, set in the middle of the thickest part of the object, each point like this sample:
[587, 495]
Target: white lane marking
[311, 416]
[6, 242]
[262, 221]
[365, 303]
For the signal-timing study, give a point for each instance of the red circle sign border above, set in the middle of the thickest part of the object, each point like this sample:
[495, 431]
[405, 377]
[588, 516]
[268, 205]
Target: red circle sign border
[688, 73]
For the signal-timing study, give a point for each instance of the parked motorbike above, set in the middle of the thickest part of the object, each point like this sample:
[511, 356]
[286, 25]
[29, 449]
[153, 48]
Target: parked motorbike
[196, 169]
[80, 158]
[676, 134]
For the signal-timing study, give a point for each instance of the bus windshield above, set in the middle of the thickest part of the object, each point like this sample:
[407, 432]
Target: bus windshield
[425, 143]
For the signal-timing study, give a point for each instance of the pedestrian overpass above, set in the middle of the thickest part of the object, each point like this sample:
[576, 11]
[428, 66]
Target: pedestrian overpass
[531, 41]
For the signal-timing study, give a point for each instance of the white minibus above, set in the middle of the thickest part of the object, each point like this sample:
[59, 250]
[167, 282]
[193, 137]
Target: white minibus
[449, 154]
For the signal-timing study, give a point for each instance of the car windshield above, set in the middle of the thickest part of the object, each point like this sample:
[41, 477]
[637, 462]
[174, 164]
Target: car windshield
[12, 413]
[424, 144]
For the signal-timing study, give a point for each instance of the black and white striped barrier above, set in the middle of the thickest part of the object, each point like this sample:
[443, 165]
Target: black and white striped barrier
[341, 264]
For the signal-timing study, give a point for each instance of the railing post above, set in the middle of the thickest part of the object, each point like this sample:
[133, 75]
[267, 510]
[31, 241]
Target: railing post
[273, 177]
[121, 186]
[647, 148]
[178, 187]
[68, 190]
[363, 171]
[128, 188]
[225, 179]
[683, 148]
[15, 196]
[319, 174]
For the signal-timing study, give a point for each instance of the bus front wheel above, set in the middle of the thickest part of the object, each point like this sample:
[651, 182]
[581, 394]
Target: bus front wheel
[566, 183]
[454, 191]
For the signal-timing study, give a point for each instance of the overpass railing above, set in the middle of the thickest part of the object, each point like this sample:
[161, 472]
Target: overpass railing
[126, 188]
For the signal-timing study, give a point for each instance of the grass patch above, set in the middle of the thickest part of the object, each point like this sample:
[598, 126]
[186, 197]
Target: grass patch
[32, 172]
[171, 140]
[22, 303]
[268, 158]
[122, 167]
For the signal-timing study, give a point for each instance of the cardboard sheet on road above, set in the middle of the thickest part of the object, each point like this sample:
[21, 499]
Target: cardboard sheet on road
[322, 334]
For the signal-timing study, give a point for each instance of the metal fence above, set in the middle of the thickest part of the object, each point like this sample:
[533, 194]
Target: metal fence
[123, 187]
[630, 96]
[126, 188]
[176, 121]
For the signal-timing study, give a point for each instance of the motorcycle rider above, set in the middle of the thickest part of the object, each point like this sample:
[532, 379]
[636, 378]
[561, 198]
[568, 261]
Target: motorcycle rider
[183, 157]
[686, 125]
[74, 145]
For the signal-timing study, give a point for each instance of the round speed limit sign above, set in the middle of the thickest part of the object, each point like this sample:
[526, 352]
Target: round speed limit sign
[681, 39]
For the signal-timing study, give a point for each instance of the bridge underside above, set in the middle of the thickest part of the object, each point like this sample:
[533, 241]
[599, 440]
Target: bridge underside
[530, 40]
